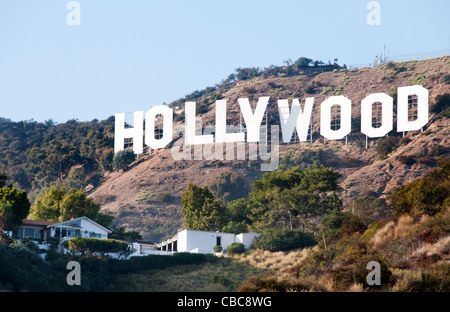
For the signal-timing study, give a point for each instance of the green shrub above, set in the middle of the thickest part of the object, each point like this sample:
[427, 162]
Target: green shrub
[423, 196]
[283, 240]
[164, 197]
[337, 224]
[235, 248]
[404, 141]
[406, 159]
[217, 248]
[387, 145]
[309, 89]
[122, 159]
[442, 105]
[445, 78]
[95, 245]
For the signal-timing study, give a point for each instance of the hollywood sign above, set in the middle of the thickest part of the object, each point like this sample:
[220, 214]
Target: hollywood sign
[291, 118]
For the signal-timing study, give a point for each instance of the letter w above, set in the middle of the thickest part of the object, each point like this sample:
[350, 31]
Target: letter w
[295, 118]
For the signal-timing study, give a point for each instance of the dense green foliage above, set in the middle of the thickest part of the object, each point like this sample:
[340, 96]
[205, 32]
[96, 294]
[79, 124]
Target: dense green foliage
[60, 204]
[303, 159]
[93, 246]
[201, 210]
[122, 159]
[14, 207]
[428, 195]
[35, 155]
[292, 198]
[237, 214]
[235, 249]
[24, 270]
[283, 240]
[338, 224]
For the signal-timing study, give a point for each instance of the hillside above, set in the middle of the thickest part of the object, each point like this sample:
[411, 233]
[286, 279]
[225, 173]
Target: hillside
[146, 196]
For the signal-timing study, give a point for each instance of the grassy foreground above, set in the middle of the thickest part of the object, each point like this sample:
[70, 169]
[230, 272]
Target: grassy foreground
[414, 255]
[224, 274]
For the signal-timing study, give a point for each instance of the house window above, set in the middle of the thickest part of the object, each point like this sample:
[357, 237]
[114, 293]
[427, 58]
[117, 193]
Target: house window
[29, 232]
[218, 240]
[58, 232]
[20, 233]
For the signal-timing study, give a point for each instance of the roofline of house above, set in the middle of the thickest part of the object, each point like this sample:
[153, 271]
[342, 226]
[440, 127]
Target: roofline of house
[37, 222]
[215, 232]
[86, 218]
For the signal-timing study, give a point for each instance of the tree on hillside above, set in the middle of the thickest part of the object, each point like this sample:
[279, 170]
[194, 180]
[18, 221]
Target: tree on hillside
[61, 156]
[3, 178]
[122, 234]
[237, 216]
[291, 198]
[58, 204]
[201, 210]
[14, 207]
[303, 61]
[106, 159]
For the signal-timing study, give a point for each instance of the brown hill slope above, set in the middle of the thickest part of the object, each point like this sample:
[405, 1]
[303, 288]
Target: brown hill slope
[139, 197]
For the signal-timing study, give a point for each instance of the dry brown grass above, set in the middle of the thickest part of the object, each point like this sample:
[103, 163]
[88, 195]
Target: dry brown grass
[441, 248]
[392, 230]
[264, 259]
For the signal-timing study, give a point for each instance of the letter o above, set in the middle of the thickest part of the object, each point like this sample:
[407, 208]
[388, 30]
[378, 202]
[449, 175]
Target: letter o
[346, 117]
[150, 116]
[387, 104]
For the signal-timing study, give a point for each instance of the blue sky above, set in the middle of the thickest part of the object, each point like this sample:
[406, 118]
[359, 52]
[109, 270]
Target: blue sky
[128, 55]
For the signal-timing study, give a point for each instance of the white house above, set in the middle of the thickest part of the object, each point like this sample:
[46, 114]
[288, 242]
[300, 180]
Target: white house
[34, 229]
[82, 226]
[204, 241]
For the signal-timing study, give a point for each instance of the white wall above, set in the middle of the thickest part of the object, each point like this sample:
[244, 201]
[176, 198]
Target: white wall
[91, 227]
[201, 241]
[246, 238]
